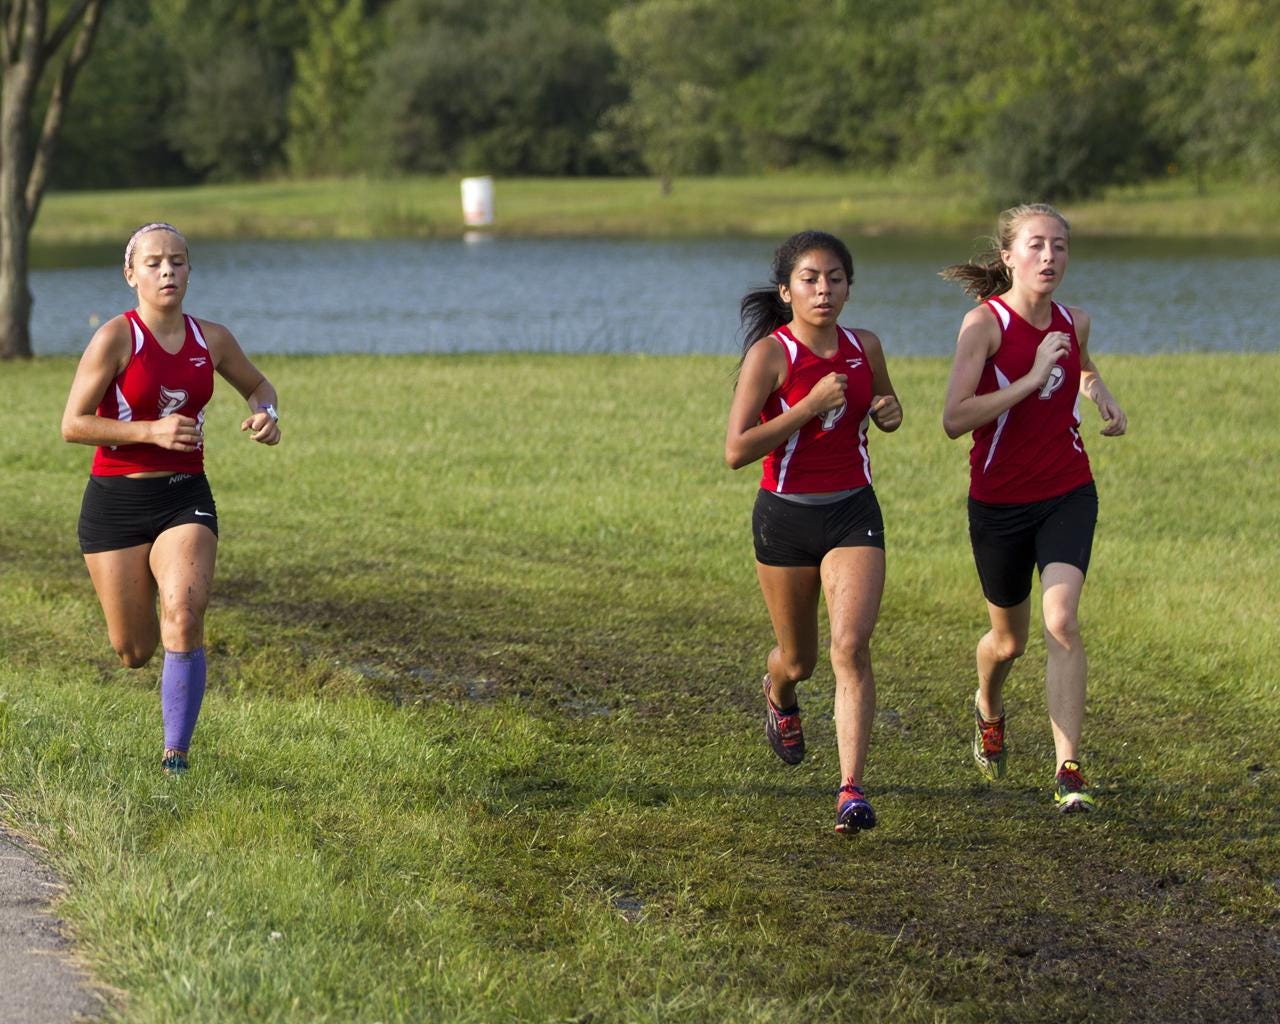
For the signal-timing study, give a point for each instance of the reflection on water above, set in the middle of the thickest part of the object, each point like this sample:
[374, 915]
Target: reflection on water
[600, 295]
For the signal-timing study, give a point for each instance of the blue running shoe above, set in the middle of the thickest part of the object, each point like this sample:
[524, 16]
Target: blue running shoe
[853, 810]
[174, 763]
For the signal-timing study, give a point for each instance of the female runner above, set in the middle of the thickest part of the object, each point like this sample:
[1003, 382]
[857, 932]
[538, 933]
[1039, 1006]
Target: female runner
[148, 525]
[807, 390]
[1021, 363]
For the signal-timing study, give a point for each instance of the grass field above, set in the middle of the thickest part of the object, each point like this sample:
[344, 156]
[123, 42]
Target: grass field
[483, 738]
[771, 206]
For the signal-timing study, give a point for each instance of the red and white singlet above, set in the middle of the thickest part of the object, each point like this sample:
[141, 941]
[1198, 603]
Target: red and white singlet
[1032, 451]
[828, 453]
[155, 384]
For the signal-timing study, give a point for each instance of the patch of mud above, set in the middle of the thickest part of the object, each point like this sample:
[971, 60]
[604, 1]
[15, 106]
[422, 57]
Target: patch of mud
[1115, 945]
[444, 641]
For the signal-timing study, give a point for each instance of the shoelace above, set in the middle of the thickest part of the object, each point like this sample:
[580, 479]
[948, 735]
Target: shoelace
[992, 736]
[1071, 779]
[857, 792]
[788, 727]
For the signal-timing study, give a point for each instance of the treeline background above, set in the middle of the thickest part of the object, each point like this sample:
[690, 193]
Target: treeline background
[1054, 101]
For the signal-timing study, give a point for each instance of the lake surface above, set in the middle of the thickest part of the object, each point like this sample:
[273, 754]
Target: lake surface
[601, 295]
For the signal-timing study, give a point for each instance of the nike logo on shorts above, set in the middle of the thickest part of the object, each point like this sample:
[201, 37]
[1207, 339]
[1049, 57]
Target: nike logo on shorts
[199, 513]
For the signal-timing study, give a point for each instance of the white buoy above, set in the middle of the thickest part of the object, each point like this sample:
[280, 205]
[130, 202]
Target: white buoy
[477, 201]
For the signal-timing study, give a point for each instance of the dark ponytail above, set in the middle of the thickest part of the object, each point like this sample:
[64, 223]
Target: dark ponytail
[762, 311]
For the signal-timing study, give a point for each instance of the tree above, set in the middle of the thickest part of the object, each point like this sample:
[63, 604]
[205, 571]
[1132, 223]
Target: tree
[107, 138]
[29, 48]
[680, 59]
[332, 74]
[504, 87]
[233, 70]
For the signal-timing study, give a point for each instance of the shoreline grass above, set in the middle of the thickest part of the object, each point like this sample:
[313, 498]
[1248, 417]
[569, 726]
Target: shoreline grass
[763, 205]
[482, 737]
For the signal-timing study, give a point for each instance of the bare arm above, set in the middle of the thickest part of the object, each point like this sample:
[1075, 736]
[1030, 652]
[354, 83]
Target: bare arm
[238, 371]
[1091, 385]
[886, 410]
[763, 371]
[979, 340]
[104, 359]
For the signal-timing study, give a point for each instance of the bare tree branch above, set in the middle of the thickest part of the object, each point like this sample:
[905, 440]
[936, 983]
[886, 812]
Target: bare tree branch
[14, 13]
[92, 10]
[59, 35]
[29, 35]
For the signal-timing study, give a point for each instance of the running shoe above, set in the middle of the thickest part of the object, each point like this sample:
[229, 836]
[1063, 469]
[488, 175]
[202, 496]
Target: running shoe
[853, 810]
[782, 731]
[988, 744]
[1070, 791]
[174, 763]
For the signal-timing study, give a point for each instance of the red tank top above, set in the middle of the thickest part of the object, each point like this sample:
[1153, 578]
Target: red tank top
[1032, 451]
[154, 384]
[828, 453]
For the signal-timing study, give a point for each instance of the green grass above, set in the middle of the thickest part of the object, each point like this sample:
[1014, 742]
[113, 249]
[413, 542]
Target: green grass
[482, 740]
[766, 205]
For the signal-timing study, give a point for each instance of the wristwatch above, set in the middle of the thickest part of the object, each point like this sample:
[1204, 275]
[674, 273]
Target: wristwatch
[270, 410]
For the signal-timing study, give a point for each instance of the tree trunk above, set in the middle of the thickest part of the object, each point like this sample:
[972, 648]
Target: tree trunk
[15, 295]
[21, 74]
[27, 49]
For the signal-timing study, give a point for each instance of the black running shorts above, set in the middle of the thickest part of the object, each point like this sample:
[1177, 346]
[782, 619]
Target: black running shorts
[123, 512]
[1010, 540]
[788, 533]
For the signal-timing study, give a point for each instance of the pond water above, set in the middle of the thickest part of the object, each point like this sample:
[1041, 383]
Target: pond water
[603, 295]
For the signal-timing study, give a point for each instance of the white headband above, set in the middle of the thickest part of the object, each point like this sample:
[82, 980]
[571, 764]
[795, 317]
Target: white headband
[158, 225]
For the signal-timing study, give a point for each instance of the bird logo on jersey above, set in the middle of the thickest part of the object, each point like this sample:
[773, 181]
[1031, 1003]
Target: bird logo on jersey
[171, 400]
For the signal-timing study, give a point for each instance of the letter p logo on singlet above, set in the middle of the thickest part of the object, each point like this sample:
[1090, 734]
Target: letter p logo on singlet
[1056, 376]
[171, 400]
[832, 416]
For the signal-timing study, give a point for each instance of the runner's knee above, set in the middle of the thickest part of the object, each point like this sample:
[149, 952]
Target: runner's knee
[182, 629]
[133, 654]
[1006, 646]
[795, 668]
[1062, 625]
[851, 653]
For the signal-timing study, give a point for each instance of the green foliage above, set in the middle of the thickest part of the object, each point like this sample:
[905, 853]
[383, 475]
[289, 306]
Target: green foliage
[678, 57]
[1057, 146]
[1229, 114]
[1053, 101]
[332, 73]
[231, 121]
[506, 87]
[115, 131]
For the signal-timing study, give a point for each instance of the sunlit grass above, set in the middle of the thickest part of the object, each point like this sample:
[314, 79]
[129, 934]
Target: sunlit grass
[482, 738]
[764, 205]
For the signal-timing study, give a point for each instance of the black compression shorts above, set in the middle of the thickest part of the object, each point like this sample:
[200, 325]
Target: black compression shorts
[123, 512]
[788, 533]
[1010, 540]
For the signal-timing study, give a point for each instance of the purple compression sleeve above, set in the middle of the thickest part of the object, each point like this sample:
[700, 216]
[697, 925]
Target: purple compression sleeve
[181, 691]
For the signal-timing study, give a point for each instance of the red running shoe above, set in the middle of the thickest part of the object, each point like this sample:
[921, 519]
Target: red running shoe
[782, 731]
